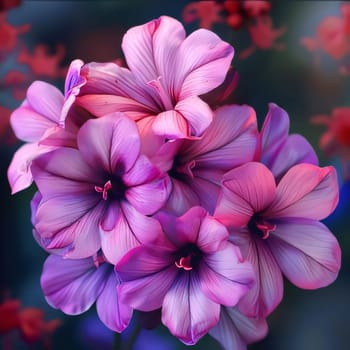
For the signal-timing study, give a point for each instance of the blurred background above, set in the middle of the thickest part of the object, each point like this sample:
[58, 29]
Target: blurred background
[295, 54]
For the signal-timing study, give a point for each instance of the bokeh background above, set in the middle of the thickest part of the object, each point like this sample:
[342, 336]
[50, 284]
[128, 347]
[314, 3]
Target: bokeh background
[45, 36]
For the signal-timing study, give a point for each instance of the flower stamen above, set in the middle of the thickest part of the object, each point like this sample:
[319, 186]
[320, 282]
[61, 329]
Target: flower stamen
[104, 190]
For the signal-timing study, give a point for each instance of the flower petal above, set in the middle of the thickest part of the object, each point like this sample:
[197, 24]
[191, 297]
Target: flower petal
[305, 191]
[114, 314]
[171, 125]
[235, 330]
[225, 277]
[111, 143]
[307, 252]
[187, 312]
[72, 285]
[246, 190]
[202, 62]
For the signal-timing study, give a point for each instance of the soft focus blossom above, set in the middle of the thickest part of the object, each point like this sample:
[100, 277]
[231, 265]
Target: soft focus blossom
[167, 72]
[99, 194]
[189, 273]
[278, 230]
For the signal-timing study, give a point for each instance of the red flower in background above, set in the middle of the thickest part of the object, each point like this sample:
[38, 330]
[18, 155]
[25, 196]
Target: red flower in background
[8, 4]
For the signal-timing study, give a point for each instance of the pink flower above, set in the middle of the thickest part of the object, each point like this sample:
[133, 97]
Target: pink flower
[99, 194]
[74, 285]
[167, 72]
[196, 167]
[235, 330]
[277, 228]
[278, 150]
[188, 273]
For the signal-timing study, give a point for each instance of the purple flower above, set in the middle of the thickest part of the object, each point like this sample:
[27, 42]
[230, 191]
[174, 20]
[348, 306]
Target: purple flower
[74, 285]
[278, 150]
[188, 273]
[167, 72]
[99, 194]
[196, 167]
[278, 230]
[235, 330]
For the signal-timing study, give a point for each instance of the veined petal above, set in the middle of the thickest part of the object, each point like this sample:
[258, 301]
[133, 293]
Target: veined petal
[235, 330]
[151, 46]
[306, 251]
[305, 191]
[294, 151]
[197, 113]
[246, 190]
[267, 293]
[72, 285]
[114, 314]
[111, 142]
[205, 67]
[187, 312]
[19, 173]
[172, 125]
[225, 277]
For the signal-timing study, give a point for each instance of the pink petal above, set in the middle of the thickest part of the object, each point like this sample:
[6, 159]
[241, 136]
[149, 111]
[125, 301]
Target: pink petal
[235, 330]
[224, 277]
[212, 235]
[150, 48]
[267, 293]
[307, 253]
[172, 125]
[111, 143]
[72, 285]
[246, 190]
[19, 173]
[203, 60]
[114, 314]
[306, 191]
[197, 113]
[187, 312]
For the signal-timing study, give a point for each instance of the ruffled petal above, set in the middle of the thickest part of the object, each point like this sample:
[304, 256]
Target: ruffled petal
[306, 191]
[187, 312]
[202, 62]
[111, 143]
[72, 285]
[246, 190]
[225, 277]
[267, 293]
[114, 314]
[235, 330]
[307, 252]
[197, 113]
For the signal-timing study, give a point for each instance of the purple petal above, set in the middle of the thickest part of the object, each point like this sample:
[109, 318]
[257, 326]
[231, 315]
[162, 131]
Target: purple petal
[235, 330]
[197, 113]
[306, 191]
[267, 293]
[307, 252]
[294, 151]
[172, 125]
[203, 60]
[246, 190]
[72, 285]
[111, 143]
[187, 312]
[225, 277]
[114, 314]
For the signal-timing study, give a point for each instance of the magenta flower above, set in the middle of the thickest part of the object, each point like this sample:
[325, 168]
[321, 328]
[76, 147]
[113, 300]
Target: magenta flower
[74, 285]
[235, 330]
[196, 167]
[99, 194]
[167, 72]
[188, 273]
[278, 230]
[278, 150]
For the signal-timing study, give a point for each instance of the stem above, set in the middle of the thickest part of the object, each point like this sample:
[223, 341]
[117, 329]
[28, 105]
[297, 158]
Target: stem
[117, 341]
[128, 345]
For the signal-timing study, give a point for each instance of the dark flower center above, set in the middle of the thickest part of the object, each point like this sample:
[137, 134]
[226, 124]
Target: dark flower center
[181, 171]
[259, 226]
[112, 189]
[188, 257]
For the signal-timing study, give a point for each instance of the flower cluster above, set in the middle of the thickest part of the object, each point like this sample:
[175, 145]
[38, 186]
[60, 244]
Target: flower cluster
[150, 199]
